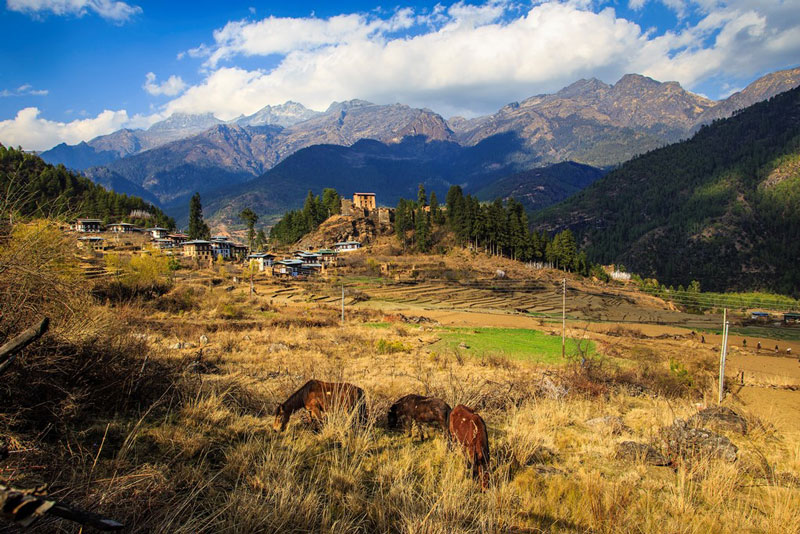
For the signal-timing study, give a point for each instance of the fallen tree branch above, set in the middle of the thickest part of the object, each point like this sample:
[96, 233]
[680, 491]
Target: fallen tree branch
[8, 352]
[23, 507]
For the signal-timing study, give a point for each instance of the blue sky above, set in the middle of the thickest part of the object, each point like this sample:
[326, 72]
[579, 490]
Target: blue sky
[75, 69]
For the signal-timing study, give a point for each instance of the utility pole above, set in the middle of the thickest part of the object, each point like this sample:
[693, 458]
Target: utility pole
[723, 354]
[564, 319]
[342, 303]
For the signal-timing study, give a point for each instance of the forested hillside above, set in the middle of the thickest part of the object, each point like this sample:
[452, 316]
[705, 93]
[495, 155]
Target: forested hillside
[541, 187]
[722, 208]
[35, 188]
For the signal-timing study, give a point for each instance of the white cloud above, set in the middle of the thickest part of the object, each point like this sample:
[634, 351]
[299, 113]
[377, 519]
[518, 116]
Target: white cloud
[462, 59]
[32, 132]
[473, 59]
[114, 11]
[281, 35]
[23, 90]
[174, 85]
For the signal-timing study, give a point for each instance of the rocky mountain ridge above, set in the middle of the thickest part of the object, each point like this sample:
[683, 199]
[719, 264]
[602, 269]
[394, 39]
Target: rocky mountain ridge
[589, 122]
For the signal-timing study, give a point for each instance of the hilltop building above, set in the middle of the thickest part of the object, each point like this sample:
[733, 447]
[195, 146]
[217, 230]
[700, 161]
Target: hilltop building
[364, 201]
[361, 205]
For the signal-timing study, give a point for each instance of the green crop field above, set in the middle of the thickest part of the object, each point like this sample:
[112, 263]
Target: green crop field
[515, 343]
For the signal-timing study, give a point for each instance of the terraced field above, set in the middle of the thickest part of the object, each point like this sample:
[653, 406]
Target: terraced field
[542, 300]
[605, 307]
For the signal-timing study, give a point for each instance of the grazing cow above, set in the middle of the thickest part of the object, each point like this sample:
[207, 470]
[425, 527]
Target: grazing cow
[469, 431]
[318, 397]
[420, 409]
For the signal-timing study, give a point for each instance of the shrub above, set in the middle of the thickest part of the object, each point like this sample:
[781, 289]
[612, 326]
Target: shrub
[39, 276]
[179, 300]
[384, 346]
[146, 276]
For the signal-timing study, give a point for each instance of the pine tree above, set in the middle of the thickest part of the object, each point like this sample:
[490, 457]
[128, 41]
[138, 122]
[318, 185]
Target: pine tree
[403, 220]
[437, 217]
[198, 229]
[261, 240]
[331, 202]
[422, 230]
[250, 218]
[422, 198]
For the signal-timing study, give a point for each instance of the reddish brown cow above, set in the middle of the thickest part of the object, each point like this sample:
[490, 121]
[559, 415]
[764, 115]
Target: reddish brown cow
[421, 409]
[469, 431]
[318, 397]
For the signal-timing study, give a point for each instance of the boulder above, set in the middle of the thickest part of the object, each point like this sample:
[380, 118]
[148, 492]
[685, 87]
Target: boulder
[719, 419]
[685, 441]
[277, 347]
[634, 452]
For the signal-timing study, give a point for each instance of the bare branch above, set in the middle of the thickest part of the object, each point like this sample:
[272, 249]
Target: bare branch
[23, 507]
[9, 351]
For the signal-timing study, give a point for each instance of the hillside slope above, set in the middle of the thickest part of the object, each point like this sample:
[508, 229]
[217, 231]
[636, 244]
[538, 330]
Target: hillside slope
[391, 171]
[722, 208]
[37, 189]
[541, 187]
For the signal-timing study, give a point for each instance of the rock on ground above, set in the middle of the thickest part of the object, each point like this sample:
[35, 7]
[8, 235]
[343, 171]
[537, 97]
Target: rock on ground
[719, 419]
[682, 440]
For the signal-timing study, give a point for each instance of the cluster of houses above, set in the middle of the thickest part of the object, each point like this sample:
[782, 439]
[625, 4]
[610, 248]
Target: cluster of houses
[789, 318]
[162, 239]
[302, 263]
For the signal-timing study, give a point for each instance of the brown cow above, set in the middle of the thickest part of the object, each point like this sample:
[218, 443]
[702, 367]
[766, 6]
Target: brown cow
[420, 409]
[317, 397]
[469, 431]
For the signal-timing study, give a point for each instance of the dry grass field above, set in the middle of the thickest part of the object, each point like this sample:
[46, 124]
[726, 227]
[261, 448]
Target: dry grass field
[174, 432]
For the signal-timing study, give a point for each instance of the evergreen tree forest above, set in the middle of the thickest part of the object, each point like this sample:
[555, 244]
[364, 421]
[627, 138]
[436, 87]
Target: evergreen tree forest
[297, 223]
[722, 208]
[33, 188]
[503, 230]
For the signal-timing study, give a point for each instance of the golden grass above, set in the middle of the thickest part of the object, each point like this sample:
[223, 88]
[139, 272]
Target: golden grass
[205, 459]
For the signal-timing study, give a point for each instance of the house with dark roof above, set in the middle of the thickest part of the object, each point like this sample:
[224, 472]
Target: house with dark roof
[198, 249]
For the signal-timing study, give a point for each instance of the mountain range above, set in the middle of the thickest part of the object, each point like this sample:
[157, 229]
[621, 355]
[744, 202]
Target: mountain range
[588, 122]
[722, 208]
